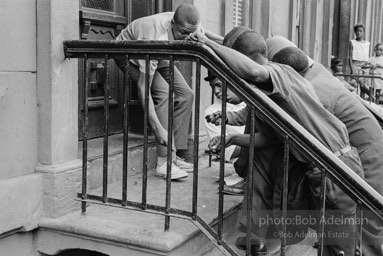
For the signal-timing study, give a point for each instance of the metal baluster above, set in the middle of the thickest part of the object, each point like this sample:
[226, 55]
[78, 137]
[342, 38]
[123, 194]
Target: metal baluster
[359, 234]
[212, 102]
[323, 210]
[249, 183]
[285, 192]
[106, 132]
[196, 138]
[126, 92]
[222, 163]
[170, 135]
[146, 121]
[86, 76]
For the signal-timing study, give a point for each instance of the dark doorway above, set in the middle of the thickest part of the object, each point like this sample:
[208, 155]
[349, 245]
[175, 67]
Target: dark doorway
[81, 252]
[103, 20]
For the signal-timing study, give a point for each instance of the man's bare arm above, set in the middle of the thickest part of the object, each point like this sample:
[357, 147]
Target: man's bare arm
[212, 36]
[159, 131]
[350, 60]
[261, 141]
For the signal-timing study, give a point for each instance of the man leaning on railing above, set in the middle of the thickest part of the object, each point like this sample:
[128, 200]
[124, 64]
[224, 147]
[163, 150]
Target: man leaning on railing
[364, 130]
[296, 94]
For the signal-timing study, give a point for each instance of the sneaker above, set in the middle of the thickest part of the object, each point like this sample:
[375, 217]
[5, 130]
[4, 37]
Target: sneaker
[180, 162]
[235, 189]
[177, 173]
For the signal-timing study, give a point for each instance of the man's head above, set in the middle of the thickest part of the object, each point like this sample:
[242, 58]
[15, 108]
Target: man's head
[216, 86]
[282, 50]
[247, 42]
[293, 57]
[275, 44]
[185, 21]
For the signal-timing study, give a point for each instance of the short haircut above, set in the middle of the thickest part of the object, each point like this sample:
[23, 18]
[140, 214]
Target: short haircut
[377, 45]
[335, 61]
[292, 56]
[186, 14]
[359, 25]
[246, 41]
[210, 76]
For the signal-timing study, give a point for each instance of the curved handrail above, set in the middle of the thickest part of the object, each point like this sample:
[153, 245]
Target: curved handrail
[348, 180]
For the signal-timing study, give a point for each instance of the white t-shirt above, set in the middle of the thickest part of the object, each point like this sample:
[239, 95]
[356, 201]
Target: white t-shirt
[361, 50]
[154, 27]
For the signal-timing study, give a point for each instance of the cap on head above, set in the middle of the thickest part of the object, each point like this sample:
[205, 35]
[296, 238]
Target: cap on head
[187, 14]
[277, 43]
[246, 41]
[292, 56]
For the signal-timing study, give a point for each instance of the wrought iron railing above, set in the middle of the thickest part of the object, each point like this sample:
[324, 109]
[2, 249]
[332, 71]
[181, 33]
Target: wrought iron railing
[281, 122]
[365, 85]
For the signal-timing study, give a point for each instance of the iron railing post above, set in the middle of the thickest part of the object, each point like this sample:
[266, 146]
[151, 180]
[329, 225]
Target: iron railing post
[86, 76]
[170, 143]
[146, 126]
[222, 162]
[250, 183]
[126, 92]
[196, 138]
[106, 132]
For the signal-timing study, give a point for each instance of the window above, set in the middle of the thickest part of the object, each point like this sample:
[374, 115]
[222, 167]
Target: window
[237, 13]
[104, 5]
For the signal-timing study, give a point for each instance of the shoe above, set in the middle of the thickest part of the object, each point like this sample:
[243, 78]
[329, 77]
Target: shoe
[176, 174]
[235, 189]
[180, 162]
[258, 246]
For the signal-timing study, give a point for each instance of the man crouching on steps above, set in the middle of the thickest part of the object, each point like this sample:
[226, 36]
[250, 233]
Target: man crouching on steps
[165, 26]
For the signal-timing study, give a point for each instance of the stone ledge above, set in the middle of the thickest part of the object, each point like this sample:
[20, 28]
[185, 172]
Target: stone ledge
[145, 231]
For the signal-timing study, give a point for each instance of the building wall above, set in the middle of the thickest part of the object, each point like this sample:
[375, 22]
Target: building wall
[21, 244]
[21, 189]
[18, 93]
[22, 87]
[307, 23]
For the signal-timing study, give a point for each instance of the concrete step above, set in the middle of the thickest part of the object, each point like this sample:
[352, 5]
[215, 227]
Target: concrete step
[119, 231]
[303, 248]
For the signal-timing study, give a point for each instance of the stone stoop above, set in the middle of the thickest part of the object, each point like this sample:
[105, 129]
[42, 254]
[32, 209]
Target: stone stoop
[118, 231]
[303, 248]
[62, 182]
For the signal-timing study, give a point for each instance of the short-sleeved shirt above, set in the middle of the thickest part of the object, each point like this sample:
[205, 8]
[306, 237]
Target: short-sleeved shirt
[301, 97]
[363, 130]
[378, 83]
[360, 50]
[154, 27]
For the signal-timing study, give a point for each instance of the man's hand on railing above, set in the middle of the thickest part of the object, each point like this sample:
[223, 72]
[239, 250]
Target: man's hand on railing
[161, 136]
[198, 36]
[215, 118]
[215, 143]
